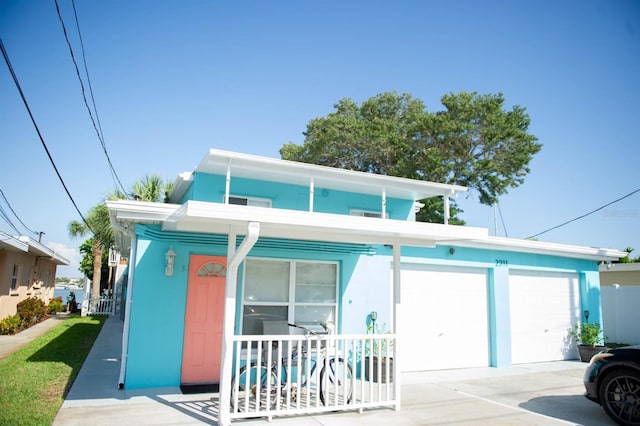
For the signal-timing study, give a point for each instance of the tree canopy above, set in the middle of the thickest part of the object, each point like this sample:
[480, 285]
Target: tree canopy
[475, 142]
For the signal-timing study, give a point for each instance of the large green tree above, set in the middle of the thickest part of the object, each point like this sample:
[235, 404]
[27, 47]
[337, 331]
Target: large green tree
[475, 141]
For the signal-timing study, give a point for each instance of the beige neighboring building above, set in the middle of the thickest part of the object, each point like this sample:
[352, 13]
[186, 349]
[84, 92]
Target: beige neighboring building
[27, 269]
[624, 274]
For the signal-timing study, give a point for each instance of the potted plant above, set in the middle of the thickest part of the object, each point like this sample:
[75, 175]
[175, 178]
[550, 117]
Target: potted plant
[378, 352]
[588, 335]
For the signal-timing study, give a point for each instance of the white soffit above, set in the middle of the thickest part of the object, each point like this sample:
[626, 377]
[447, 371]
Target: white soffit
[217, 218]
[296, 173]
[541, 247]
[197, 216]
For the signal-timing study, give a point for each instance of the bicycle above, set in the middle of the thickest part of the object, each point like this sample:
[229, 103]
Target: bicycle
[270, 381]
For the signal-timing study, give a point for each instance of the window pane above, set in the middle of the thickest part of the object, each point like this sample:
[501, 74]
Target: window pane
[254, 315]
[314, 314]
[309, 293]
[266, 281]
[315, 282]
[316, 273]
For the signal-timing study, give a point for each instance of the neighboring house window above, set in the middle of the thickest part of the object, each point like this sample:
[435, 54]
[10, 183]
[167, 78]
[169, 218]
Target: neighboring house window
[367, 213]
[300, 292]
[14, 276]
[250, 201]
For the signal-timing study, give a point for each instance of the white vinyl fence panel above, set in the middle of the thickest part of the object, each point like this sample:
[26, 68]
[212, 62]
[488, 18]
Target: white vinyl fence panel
[620, 313]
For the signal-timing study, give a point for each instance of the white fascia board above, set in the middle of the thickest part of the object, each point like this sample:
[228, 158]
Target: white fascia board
[197, 216]
[128, 211]
[540, 247]
[297, 173]
[10, 242]
[41, 250]
[180, 185]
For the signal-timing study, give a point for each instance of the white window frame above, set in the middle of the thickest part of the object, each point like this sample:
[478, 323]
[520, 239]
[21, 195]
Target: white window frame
[367, 213]
[291, 304]
[252, 201]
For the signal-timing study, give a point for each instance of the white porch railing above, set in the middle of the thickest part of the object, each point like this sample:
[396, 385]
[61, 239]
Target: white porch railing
[101, 306]
[301, 374]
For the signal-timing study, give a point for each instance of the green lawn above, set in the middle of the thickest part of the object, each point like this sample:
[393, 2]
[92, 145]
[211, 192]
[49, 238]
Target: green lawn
[35, 380]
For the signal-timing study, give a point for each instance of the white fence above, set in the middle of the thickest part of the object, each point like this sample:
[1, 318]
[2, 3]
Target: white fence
[101, 306]
[301, 374]
[620, 313]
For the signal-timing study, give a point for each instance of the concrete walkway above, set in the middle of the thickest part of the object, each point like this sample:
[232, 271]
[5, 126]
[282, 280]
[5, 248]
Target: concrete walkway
[532, 394]
[10, 344]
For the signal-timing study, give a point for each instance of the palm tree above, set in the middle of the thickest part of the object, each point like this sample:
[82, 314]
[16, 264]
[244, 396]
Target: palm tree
[98, 222]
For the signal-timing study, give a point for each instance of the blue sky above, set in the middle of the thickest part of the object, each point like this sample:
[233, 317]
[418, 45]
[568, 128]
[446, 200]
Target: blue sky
[173, 79]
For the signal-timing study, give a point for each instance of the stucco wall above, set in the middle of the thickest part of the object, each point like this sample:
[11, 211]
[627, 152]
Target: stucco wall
[158, 308]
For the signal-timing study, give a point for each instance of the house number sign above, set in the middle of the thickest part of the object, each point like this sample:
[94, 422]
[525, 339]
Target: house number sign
[502, 263]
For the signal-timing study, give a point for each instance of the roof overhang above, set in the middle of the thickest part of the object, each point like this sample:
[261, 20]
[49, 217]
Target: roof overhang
[545, 248]
[216, 218]
[40, 250]
[10, 243]
[296, 173]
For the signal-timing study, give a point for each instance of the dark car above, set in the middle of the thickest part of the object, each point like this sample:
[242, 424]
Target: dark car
[612, 379]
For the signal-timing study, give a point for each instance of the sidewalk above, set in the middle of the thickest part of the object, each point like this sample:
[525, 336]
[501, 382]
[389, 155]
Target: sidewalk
[531, 394]
[10, 344]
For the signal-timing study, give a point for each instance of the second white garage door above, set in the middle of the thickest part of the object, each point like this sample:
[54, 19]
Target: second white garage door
[443, 318]
[544, 306]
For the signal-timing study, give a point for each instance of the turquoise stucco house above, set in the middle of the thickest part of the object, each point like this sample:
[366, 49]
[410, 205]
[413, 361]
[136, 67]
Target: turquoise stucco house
[248, 239]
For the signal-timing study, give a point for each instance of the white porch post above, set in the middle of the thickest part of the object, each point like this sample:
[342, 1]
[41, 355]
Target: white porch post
[227, 183]
[234, 258]
[311, 192]
[447, 213]
[384, 203]
[396, 305]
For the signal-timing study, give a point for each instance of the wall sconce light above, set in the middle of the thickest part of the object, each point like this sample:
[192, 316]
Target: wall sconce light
[586, 315]
[169, 259]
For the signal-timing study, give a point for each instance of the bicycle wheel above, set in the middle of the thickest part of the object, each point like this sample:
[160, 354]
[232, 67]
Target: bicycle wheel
[255, 378]
[336, 383]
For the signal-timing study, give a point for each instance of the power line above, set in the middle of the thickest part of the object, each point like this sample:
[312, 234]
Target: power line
[114, 175]
[15, 214]
[506, 234]
[35, 125]
[585, 215]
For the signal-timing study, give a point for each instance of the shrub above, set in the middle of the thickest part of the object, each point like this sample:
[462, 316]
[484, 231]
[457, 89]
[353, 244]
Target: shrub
[31, 310]
[55, 305]
[10, 325]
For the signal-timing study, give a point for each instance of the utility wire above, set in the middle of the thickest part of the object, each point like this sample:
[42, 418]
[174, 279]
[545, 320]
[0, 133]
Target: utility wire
[15, 214]
[86, 69]
[35, 125]
[114, 175]
[585, 215]
[506, 234]
[5, 216]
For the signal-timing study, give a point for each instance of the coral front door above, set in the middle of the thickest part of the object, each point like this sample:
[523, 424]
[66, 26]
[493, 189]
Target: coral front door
[202, 348]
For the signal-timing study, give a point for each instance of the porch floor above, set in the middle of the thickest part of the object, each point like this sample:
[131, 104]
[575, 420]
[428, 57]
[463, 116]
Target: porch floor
[535, 394]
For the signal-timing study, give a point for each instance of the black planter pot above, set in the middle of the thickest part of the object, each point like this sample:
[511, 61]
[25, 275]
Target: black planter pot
[588, 351]
[373, 375]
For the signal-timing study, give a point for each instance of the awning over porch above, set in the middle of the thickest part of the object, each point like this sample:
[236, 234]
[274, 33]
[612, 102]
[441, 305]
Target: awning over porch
[206, 217]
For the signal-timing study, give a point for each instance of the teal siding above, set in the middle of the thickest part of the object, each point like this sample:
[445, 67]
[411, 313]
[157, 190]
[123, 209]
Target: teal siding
[211, 188]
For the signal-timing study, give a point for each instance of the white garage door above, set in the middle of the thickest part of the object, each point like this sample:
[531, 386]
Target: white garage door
[442, 320]
[544, 306]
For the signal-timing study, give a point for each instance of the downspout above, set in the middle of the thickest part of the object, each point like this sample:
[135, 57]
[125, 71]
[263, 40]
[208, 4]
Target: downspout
[235, 257]
[127, 307]
[396, 304]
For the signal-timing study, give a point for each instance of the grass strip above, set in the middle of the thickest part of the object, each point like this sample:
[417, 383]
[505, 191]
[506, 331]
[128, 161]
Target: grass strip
[35, 380]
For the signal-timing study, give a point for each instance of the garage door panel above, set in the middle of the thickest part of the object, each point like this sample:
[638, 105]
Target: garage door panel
[443, 318]
[544, 306]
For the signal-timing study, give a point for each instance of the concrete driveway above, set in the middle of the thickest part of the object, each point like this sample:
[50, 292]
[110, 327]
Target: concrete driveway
[531, 394]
